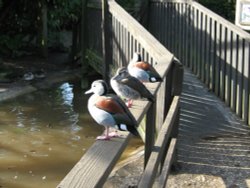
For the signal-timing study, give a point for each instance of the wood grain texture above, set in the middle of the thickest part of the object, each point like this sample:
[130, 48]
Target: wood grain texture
[96, 164]
[160, 144]
[169, 159]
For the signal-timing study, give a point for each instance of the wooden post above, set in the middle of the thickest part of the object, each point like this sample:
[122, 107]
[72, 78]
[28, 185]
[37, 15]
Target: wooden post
[83, 44]
[106, 43]
[83, 31]
[150, 132]
[143, 14]
[74, 48]
[43, 29]
[178, 77]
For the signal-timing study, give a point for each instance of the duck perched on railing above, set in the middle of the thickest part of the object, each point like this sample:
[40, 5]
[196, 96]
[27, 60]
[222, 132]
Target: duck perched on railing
[142, 70]
[129, 87]
[109, 111]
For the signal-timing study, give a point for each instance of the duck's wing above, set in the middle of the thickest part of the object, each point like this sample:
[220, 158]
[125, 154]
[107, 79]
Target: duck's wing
[138, 86]
[142, 65]
[149, 69]
[108, 104]
[117, 108]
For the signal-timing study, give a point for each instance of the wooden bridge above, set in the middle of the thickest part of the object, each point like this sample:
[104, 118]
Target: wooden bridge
[175, 33]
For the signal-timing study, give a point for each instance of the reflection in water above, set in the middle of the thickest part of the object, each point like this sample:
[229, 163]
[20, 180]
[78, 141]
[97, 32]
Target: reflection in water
[42, 136]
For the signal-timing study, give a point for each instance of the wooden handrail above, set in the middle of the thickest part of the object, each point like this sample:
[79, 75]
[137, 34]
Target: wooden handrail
[96, 164]
[149, 42]
[159, 146]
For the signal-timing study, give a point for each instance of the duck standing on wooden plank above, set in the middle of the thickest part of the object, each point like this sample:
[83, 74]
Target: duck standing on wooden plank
[109, 111]
[129, 87]
[143, 70]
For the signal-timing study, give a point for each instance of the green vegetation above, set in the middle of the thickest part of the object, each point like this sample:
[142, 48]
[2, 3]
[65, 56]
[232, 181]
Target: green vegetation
[225, 8]
[20, 23]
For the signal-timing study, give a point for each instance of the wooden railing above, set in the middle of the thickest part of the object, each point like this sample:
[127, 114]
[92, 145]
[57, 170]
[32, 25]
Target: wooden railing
[216, 50]
[128, 36]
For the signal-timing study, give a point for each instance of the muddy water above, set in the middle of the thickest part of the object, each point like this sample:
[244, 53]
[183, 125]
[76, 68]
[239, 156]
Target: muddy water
[43, 134]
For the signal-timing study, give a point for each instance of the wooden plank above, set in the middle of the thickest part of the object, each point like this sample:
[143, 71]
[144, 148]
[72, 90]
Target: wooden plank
[239, 88]
[223, 62]
[160, 20]
[161, 142]
[126, 46]
[217, 59]
[114, 41]
[43, 29]
[178, 31]
[228, 66]
[198, 44]
[171, 20]
[170, 157]
[245, 97]
[203, 49]
[146, 40]
[192, 39]
[234, 71]
[212, 55]
[83, 33]
[150, 132]
[221, 20]
[188, 38]
[165, 26]
[160, 108]
[174, 29]
[118, 31]
[178, 73]
[95, 165]
[152, 17]
[183, 31]
[208, 47]
[106, 52]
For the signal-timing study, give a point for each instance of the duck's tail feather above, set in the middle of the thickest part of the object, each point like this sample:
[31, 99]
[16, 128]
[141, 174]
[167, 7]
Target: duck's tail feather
[131, 129]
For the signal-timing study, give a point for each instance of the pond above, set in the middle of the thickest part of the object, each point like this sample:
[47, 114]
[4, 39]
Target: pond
[43, 134]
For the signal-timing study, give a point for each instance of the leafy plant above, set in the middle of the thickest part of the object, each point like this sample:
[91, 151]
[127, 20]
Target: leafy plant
[225, 8]
[19, 25]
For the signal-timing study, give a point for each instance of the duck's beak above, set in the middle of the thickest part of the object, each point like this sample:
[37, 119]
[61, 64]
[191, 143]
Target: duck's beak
[89, 91]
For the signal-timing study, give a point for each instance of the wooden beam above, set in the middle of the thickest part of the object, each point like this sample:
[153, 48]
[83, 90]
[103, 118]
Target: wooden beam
[169, 159]
[83, 34]
[160, 144]
[150, 132]
[43, 29]
[96, 164]
[106, 43]
[143, 37]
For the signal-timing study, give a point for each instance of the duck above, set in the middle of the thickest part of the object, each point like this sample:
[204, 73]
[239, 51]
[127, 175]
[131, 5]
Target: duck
[142, 70]
[39, 74]
[28, 76]
[110, 111]
[129, 87]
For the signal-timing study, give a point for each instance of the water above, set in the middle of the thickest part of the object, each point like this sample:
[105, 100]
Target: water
[42, 136]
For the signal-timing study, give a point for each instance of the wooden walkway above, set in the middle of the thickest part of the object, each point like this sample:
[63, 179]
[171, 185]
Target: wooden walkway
[213, 144]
